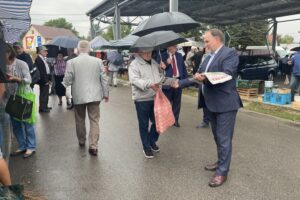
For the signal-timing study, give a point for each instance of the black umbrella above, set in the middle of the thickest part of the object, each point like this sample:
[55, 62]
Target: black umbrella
[53, 51]
[167, 21]
[65, 41]
[156, 41]
[295, 49]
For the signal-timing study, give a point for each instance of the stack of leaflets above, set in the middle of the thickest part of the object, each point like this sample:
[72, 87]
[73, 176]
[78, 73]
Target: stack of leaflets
[214, 78]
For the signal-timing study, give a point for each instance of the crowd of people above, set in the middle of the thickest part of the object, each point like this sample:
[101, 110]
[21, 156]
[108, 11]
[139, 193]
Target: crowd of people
[90, 86]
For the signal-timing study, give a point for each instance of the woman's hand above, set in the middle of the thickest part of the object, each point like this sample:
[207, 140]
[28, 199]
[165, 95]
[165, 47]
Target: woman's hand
[13, 78]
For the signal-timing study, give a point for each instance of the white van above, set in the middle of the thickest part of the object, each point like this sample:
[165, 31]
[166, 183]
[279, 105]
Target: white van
[280, 52]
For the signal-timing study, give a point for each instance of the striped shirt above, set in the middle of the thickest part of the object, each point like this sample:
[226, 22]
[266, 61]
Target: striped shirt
[60, 67]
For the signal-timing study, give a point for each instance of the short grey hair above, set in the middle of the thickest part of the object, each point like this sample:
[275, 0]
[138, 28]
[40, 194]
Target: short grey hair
[217, 33]
[84, 46]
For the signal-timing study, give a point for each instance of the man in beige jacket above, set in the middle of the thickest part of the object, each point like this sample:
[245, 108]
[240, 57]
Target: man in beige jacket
[89, 87]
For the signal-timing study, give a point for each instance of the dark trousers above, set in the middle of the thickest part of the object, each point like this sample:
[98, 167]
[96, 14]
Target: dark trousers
[206, 115]
[222, 125]
[44, 96]
[145, 112]
[174, 96]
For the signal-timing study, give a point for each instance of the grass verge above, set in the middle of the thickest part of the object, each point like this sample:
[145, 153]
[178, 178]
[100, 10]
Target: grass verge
[277, 111]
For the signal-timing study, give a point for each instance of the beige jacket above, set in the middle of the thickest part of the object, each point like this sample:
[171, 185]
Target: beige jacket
[86, 76]
[141, 76]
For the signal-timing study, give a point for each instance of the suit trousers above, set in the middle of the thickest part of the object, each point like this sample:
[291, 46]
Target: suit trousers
[93, 111]
[222, 125]
[174, 96]
[44, 96]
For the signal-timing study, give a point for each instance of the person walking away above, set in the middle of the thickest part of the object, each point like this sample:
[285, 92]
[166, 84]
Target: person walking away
[45, 77]
[20, 79]
[175, 68]
[144, 75]
[295, 75]
[189, 56]
[89, 87]
[59, 72]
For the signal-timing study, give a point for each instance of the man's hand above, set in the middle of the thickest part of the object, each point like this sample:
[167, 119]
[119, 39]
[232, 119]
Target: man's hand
[154, 86]
[199, 77]
[106, 99]
[162, 65]
[175, 84]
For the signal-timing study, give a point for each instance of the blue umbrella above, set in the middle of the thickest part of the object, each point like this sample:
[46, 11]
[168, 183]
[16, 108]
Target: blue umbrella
[115, 58]
[124, 43]
[65, 41]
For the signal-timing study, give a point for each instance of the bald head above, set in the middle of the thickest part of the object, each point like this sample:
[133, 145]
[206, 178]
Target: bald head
[84, 46]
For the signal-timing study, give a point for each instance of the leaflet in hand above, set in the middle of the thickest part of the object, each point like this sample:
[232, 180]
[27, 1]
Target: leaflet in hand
[166, 81]
[217, 77]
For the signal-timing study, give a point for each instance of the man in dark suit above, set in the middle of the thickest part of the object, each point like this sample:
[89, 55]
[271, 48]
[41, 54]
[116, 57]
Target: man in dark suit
[44, 81]
[221, 100]
[174, 67]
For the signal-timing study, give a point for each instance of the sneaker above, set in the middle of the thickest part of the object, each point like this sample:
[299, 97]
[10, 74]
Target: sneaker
[154, 148]
[148, 154]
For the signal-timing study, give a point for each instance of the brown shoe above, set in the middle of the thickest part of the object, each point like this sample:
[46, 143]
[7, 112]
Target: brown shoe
[93, 152]
[211, 167]
[217, 181]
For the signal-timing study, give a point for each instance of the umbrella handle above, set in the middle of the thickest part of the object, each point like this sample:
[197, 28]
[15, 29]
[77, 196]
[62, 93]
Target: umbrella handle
[160, 56]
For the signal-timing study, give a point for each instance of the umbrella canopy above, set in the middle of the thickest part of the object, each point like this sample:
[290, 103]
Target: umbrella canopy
[124, 43]
[156, 40]
[115, 58]
[295, 49]
[99, 42]
[53, 51]
[167, 21]
[65, 41]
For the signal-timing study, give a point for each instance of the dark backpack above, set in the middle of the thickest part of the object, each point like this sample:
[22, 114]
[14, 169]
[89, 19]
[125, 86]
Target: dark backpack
[35, 74]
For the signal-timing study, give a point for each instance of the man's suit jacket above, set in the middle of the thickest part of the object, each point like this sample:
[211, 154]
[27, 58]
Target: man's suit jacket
[222, 97]
[44, 77]
[180, 65]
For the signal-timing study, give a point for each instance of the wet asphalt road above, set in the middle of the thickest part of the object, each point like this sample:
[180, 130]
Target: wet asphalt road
[265, 163]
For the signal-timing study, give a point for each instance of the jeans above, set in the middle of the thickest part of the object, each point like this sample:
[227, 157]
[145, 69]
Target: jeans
[295, 81]
[25, 134]
[113, 78]
[145, 112]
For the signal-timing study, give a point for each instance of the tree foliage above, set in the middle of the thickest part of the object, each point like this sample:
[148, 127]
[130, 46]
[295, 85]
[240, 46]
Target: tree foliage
[247, 34]
[286, 39]
[108, 34]
[62, 23]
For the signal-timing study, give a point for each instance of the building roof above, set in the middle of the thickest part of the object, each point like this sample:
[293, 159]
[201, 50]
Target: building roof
[217, 12]
[49, 32]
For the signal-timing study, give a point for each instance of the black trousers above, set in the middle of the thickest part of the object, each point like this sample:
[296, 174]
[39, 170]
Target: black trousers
[44, 96]
[174, 96]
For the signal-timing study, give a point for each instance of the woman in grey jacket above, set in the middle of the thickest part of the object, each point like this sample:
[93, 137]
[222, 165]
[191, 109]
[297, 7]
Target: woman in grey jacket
[18, 74]
[144, 76]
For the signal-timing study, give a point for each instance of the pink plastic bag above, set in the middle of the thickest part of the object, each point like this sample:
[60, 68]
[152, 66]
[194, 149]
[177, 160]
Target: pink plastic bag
[163, 113]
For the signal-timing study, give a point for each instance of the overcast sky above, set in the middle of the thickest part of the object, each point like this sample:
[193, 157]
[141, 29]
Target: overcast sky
[75, 12]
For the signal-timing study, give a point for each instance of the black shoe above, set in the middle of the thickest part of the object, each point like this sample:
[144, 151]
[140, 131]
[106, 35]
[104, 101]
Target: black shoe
[49, 108]
[93, 152]
[148, 154]
[44, 110]
[17, 152]
[81, 144]
[154, 148]
[202, 125]
[115, 86]
[28, 153]
[176, 124]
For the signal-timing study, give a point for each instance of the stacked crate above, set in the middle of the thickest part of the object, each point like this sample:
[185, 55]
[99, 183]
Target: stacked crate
[247, 88]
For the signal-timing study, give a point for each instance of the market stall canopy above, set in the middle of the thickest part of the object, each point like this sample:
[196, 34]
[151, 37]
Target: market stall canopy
[98, 42]
[190, 43]
[218, 12]
[14, 18]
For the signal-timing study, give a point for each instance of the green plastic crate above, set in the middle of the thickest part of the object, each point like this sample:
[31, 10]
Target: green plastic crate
[247, 84]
